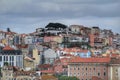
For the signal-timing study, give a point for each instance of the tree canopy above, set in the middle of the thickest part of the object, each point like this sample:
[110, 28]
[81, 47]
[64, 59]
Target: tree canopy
[67, 78]
[56, 26]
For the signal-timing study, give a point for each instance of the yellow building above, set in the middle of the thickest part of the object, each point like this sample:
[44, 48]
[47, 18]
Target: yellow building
[36, 56]
[4, 41]
[106, 41]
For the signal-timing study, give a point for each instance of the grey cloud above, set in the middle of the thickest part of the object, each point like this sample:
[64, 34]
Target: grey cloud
[56, 8]
[37, 12]
[80, 1]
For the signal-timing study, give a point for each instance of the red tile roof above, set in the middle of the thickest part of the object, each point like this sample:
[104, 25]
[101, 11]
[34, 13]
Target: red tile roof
[75, 50]
[113, 55]
[44, 66]
[90, 60]
[7, 48]
[22, 46]
[47, 71]
[63, 61]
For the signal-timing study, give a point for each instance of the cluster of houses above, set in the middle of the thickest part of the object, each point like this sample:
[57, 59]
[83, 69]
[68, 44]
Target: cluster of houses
[84, 52]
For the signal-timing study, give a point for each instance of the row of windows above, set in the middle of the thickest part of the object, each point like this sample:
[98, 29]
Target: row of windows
[18, 79]
[85, 69]
[7, 58]
[10, 53]
[88, 74]
[86, 64]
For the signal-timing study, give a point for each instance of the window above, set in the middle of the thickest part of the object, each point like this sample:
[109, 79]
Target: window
[94, 68]
[6, 58]
[74, 74]
[86, 69]
[104, 74]
[12, 58]
[98, 74]
[0, 58]
[78, 68]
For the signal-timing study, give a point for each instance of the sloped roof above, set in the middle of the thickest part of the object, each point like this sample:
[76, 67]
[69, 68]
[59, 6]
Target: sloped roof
[44, 66]
[28, 58]
[7, 48]
[75, 50]
[90, 60]
[22, 46]
[63, 61]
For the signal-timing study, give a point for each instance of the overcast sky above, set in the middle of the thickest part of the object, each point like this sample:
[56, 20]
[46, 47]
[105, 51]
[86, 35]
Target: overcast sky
[24, 16]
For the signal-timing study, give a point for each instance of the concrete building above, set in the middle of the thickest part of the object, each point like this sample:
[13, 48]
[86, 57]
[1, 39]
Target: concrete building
[76, 29]
[95, 30]
[49, 56]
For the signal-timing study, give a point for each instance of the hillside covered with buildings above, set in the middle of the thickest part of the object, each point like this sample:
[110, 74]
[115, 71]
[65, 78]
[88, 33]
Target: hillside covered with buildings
[75, 51]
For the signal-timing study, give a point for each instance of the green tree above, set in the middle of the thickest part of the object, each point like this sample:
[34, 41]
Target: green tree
[67, 78]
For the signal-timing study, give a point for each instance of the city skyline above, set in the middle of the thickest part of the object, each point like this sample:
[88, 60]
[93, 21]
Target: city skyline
[24, 16]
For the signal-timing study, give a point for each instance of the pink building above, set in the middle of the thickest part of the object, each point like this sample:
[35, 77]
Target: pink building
[86, 68]
[61, 66]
